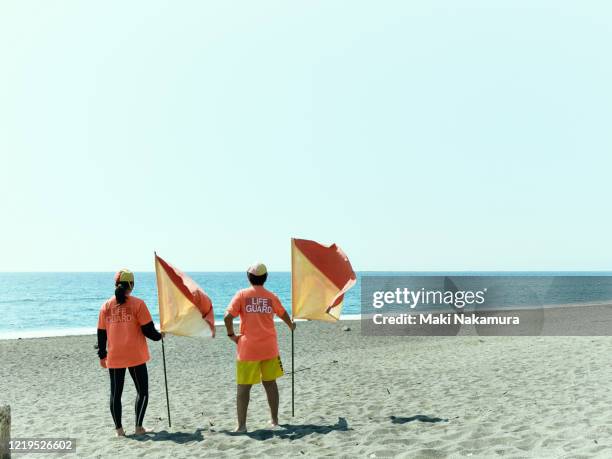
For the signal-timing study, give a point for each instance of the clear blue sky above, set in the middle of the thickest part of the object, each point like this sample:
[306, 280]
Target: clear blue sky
[437, 135]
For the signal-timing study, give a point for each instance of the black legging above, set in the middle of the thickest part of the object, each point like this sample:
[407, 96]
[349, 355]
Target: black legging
[141, 381]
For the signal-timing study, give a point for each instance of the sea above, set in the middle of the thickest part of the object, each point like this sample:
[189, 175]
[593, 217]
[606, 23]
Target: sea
[57, 304]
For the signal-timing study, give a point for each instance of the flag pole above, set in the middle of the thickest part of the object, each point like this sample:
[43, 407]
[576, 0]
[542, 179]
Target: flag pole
[292, 342]
[292, 376]
[166, 381]
[163, 348]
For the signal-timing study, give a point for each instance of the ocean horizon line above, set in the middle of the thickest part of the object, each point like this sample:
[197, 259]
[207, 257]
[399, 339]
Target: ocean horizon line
[417, 271]
[86, 331]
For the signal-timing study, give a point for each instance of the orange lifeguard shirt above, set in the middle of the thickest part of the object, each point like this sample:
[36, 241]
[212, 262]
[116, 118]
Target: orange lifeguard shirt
[127, 346]
[256, 307]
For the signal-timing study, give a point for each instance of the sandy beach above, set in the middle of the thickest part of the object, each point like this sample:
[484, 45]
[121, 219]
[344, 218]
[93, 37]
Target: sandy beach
[356, 396]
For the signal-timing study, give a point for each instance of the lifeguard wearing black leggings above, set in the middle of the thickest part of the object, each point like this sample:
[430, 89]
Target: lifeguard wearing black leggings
[141, 381]
[123, 326]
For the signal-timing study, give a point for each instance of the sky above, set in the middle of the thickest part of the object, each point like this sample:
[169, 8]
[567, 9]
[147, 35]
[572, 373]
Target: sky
[438, 135]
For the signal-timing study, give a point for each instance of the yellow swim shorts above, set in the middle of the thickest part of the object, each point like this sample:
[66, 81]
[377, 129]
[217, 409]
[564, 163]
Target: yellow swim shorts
[255, 371]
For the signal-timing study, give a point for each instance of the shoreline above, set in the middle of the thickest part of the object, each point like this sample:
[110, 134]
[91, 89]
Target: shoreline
[90, 331]
[85, 331]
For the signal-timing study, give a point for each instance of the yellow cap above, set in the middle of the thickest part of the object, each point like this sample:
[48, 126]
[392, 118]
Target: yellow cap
[124, 275]
[257, 269]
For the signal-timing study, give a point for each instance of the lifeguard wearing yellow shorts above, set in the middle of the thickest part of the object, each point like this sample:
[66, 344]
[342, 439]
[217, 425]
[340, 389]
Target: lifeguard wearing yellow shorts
[256, 371]
[256, 344]
[257, 347]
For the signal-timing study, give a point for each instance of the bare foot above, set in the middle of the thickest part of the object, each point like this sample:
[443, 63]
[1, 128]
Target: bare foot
[273, 425]
[240, 429]
[120, 432]
[141, 430]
